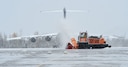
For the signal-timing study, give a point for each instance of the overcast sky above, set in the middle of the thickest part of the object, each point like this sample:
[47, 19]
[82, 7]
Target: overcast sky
[107, 17]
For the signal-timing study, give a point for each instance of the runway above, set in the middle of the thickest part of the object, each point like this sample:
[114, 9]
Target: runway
[57, 57]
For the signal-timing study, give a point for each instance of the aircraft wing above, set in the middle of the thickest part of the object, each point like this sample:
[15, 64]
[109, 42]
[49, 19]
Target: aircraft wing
[34, 41]
[58, 11]
[75, 11]
[51, 11]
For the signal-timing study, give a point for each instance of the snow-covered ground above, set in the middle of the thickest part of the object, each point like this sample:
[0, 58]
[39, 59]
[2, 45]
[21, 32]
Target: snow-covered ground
[57, 57]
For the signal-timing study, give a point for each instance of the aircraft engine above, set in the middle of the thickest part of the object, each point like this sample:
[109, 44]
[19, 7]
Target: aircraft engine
[33, 39]
[48, 38]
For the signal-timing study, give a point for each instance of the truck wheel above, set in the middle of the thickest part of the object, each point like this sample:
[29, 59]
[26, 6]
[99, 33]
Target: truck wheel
[109, 46]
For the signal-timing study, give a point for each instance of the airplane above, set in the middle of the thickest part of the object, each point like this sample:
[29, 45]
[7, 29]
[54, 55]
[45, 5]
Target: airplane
[33, 41]
[64, 11]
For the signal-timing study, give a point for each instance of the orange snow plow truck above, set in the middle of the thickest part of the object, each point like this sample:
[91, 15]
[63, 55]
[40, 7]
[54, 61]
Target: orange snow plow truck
[85, 42]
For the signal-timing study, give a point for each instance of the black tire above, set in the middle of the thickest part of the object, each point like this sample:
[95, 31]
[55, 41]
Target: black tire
[109, 46]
